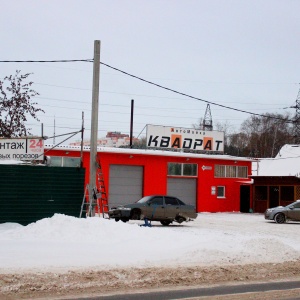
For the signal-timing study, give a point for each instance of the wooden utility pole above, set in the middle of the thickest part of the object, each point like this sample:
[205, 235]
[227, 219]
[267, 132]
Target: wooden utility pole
[297, 119]
[94, 119]
[81, 143]
[131, 122]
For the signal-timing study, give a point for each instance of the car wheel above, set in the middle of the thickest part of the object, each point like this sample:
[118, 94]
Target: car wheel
[135, 214]
[165, 222]
[124, 220]
[117, 219]
[279, 218]
[180, 219]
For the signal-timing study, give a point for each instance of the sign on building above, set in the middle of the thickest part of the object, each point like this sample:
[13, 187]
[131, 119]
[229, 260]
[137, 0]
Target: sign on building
[22, 149]
[184, 138]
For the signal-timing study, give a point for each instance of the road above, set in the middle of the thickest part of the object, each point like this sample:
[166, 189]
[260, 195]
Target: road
[263, 291]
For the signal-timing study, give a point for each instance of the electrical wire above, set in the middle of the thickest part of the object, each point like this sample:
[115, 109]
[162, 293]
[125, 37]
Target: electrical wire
[46, 61]
[192, 97]
[152, 83]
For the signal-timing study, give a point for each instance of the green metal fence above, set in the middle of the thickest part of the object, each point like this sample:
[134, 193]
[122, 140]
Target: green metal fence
[31, 193]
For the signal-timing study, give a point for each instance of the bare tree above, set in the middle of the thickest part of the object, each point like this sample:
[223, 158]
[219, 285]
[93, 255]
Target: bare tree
[265, 135]
[16, 105]
[198, 125]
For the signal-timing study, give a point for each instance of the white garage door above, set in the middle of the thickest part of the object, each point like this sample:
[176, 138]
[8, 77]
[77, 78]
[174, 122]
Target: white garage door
[125, 184]
[183, 188]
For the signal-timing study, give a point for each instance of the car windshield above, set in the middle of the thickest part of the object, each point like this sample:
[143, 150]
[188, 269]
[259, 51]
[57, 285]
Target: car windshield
[293, 204]
[143, 200]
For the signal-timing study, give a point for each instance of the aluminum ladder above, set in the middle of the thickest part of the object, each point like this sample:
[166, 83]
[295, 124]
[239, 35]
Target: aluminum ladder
[87, 206]
[101, 193]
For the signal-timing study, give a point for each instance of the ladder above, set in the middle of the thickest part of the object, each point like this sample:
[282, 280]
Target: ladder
[102, 196]
[87, 206]
[99, 203]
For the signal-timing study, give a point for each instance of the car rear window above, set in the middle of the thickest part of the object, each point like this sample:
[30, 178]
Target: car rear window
[180, 202]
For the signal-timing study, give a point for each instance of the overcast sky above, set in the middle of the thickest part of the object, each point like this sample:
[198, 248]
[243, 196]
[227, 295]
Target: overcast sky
[242, 54]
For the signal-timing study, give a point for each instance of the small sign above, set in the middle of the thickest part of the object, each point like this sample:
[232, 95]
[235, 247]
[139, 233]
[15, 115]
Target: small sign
[206, 168]
[213, 190]
[22, 149]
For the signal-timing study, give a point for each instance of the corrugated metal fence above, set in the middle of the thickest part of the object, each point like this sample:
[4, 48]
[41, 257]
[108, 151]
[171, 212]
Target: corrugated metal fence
[30, 193]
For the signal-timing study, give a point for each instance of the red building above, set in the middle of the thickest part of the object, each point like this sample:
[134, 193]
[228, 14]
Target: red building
[213, 183]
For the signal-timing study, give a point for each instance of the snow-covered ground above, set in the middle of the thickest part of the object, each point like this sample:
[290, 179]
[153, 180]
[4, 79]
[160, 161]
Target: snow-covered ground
[64, 242]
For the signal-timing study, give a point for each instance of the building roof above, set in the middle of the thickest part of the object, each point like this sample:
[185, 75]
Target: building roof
[286, 163]
[150, 152]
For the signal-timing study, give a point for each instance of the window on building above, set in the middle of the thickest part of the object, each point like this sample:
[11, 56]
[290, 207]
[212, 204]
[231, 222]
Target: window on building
[226, 171]
[55, 161]
[189, 169]
[231, 171]
[177, 169]
[71, 162]
[287, 193]
[220, 171]
[221, 191]
[261, 193]
[242, 172]
[61, 161]
[174, 169]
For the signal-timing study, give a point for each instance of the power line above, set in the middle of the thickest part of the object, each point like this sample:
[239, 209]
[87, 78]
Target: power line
[149, 96]
[192, 97]
[46, 61]
[149, 82]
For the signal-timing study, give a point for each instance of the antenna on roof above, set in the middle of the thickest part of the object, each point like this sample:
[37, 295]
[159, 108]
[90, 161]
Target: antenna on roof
[207, 121]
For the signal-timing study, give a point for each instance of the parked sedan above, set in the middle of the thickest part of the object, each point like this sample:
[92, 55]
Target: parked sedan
[165, 209]
[281, 214]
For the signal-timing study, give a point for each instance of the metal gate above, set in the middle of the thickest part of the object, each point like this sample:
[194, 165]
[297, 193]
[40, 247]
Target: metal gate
[31, 193]
[125, 184]
[183, 188]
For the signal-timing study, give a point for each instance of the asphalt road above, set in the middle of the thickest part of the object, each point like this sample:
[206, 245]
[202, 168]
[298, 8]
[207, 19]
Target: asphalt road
[270, 290]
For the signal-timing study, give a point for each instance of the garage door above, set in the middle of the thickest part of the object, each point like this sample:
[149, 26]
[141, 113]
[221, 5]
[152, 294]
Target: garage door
[125, 184]
[183, 188]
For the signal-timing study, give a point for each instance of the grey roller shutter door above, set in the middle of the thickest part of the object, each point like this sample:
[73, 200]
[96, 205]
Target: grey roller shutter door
[183, 188]
[125, 184]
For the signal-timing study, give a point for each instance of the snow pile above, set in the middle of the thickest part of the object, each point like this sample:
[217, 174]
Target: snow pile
[69, 242]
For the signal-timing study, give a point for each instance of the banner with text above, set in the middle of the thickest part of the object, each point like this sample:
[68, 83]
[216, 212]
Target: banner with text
[184, 138]
[22, 149]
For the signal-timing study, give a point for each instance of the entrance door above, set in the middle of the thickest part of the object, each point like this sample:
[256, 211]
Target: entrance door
[245, 198]
[125, 184]
[273, 196]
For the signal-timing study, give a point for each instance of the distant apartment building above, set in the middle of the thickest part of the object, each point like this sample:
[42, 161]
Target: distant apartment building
[112, 139]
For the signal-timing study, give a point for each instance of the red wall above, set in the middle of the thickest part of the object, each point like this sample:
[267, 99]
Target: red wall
[155, 176]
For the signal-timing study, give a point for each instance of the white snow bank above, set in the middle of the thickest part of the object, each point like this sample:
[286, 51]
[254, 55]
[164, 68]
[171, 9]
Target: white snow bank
[223, 238]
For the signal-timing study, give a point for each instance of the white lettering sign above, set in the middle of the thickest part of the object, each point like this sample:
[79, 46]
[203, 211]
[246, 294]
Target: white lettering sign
[21, 149]
[184, 138]
[206, 168]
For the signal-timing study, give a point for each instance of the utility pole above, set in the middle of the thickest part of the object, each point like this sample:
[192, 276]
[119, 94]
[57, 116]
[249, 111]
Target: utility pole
[297, 119]
[131, 123]
[54, 132]
[81, 143]
[94, 120]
